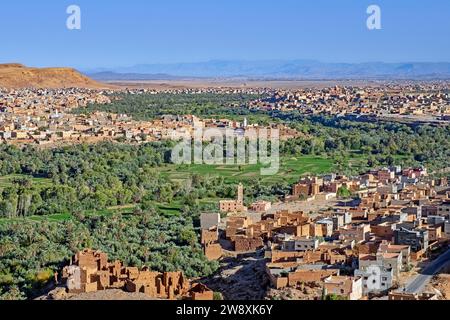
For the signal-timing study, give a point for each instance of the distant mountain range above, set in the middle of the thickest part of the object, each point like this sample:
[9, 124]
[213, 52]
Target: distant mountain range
[276, 69]
[115, 76]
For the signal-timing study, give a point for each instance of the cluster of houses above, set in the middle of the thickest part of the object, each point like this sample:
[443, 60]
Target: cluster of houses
[356, 249]
[45, 117]
[202, 90]
[417, 99]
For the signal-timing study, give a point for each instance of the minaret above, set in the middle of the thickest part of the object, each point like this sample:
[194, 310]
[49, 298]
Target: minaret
[240, 195]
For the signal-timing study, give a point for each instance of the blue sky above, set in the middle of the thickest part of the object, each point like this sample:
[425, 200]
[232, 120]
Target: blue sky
[124, 33]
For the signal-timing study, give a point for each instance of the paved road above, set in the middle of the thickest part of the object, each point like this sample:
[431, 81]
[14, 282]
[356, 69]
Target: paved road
[417, 285]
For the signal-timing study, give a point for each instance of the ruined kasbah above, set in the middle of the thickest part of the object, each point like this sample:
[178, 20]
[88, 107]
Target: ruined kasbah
[90, 271]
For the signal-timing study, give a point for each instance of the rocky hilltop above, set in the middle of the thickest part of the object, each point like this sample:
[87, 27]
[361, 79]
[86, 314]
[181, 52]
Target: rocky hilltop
[14, 75]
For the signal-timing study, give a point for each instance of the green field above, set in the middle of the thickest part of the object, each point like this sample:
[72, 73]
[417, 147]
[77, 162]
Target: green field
[290, 170]
[7, 181]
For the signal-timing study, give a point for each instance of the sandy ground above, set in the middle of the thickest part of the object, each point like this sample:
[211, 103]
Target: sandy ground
[241, 279]
[112, 294]
[442, 284]
[299, 293]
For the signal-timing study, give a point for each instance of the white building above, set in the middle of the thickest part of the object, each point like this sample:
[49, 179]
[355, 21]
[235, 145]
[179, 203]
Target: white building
[375, 278]
[300, 244]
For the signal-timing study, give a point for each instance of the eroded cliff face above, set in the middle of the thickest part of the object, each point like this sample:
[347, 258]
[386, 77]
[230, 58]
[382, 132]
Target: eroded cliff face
[14, 75]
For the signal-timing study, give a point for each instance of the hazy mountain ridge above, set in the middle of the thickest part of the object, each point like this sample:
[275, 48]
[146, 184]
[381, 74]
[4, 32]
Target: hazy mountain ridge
[109, 76]
[292, 69]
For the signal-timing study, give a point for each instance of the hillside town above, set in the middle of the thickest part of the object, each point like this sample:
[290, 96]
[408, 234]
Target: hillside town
[373, 244]
[416, 99]
[45, 118]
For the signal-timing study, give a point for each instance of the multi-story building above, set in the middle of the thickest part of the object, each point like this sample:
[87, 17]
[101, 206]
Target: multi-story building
[416, 239]
[300, 244]
[229, 206]
[375, 278]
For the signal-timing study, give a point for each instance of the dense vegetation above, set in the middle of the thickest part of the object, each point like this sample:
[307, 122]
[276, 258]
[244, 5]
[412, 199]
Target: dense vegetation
[151, 106]
[31, 252]
[379, 143]
[94, 177]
